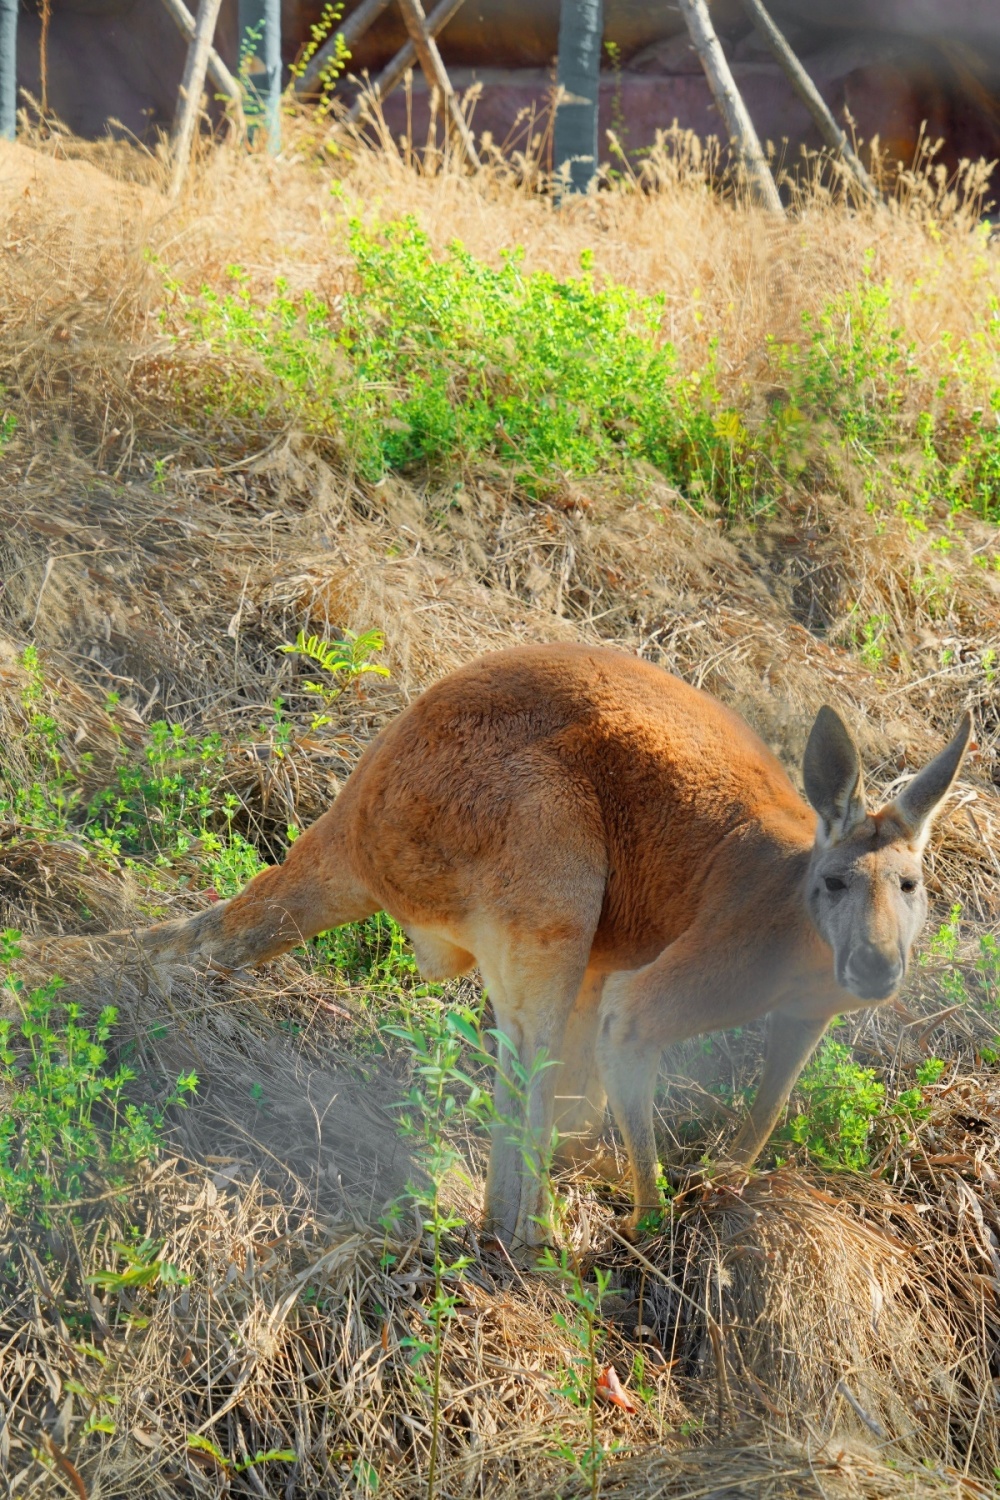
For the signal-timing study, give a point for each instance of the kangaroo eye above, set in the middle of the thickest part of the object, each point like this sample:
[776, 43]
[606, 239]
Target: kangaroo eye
[834, 883]
[908, 885]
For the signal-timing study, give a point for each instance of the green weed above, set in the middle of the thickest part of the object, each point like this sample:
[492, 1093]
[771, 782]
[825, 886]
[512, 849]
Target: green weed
[46, 800]
[449, 1059]
[341, 662]
[855, 366]
[144, 1266]
[578, 1383]
[240, 1466]
[975, 982]
[442, 1090]
[161, 805]
[66, 1114]
[373, 955]
[319, 32]
[440, 361]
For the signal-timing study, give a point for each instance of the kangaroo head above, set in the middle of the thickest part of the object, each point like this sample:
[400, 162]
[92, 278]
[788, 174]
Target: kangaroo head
[865, 890]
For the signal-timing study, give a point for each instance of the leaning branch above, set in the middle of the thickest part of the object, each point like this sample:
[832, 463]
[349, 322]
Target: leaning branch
[218, 72]
[811, 97]
[192, 85]
[727, 96]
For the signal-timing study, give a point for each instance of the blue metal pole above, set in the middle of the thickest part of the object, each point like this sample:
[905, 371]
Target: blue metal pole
[260, 68]
[8, 69]
[581, 32]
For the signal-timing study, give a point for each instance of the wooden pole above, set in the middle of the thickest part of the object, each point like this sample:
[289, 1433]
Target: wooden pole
[434, 71]
[731, 106]
[217, 70]
[8, 69]
[393, 71]
[810, 95]
[192, 85]
[574, 138]
[353, 29]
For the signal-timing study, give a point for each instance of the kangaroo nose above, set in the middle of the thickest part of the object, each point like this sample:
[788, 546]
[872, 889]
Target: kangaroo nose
[873, 974]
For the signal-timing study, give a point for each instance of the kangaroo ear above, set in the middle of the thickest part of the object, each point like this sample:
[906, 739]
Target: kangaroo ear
[831, 768]
[920, 800]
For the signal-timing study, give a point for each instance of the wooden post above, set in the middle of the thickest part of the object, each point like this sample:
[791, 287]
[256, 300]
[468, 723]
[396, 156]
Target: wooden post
[192, 85]
[731, 106]
[259, 25]
[353, 29]
[810, 95]
[574, 141]
[437, 78]
[393, 71]
[217, 70]
[8, 69]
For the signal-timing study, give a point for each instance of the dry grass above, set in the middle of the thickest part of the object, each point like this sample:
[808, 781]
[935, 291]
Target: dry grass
[807, 1335]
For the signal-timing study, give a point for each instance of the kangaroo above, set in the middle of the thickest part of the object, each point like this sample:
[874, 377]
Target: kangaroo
[628, 865]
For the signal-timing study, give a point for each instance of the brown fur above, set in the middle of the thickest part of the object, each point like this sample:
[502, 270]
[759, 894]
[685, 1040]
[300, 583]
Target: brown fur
[627, 864]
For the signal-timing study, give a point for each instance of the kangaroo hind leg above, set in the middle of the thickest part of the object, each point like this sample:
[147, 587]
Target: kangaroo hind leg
[580, 1096]
[312, 891]
[532, 988]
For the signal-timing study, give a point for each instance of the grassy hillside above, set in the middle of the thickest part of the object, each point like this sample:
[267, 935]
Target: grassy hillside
[418, 416]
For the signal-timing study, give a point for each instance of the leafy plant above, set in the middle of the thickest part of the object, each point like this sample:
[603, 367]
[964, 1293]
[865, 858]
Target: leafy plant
[437, 361]
[342, 662]
[66, 1114]
[440, 361]
[144, 1267]
[202, 1444]
[47, 800]
[449, 1058]
[844, 1102]
[162, 804]
[319, 32]
[374, 953]
[870, 640]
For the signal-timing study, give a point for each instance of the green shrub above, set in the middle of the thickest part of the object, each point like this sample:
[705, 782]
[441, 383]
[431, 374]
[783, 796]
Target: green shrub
[843, 1104]
[440, 361]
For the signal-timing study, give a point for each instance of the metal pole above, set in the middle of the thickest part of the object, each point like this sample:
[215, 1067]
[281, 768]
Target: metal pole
[260, 68]
[8, 69]
[574, 144]
[730, 104]
[807, 91]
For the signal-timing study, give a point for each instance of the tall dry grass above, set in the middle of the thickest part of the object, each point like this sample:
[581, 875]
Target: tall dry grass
[75, 271]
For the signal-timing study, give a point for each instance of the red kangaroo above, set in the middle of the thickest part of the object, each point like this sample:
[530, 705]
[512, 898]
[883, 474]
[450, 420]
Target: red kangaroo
[628, 865]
